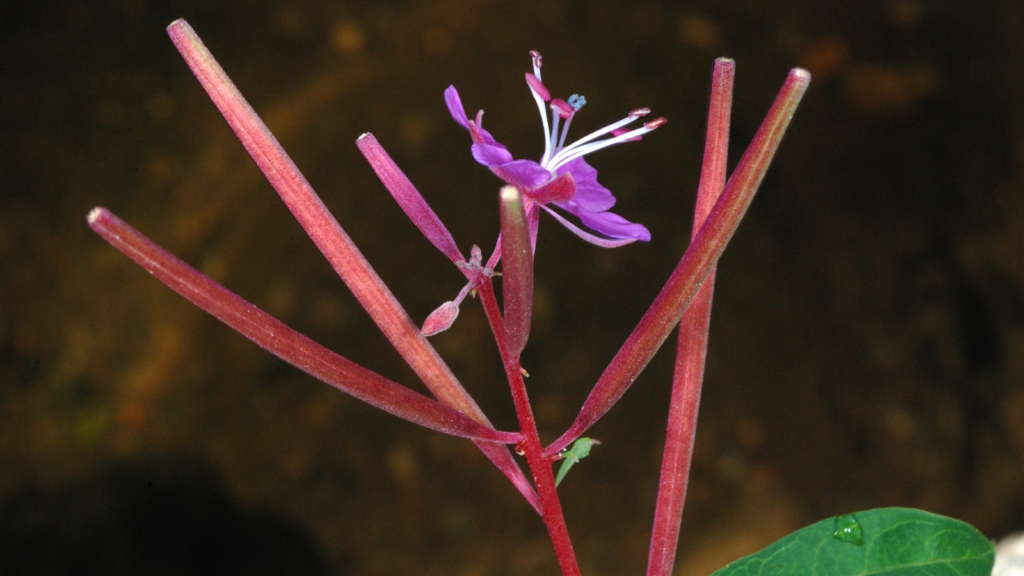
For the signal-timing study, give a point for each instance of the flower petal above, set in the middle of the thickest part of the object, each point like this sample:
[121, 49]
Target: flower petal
[595, 240]
[614, 226]
[523, 174]
[561, 189]
[590, 195]
[451, 98]
[491, 155]
[476, 129]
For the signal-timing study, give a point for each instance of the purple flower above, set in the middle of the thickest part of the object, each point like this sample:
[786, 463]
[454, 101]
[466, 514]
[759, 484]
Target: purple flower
[562, 177]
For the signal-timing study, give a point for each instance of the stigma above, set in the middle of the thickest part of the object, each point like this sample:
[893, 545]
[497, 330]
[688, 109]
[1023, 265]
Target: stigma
[556, 152]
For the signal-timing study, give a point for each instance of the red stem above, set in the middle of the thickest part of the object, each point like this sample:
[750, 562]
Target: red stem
[695, 266]
[274, 336]
[693, 342]
[540, 465]
[334, 243]
[490, 303]
[543, 476]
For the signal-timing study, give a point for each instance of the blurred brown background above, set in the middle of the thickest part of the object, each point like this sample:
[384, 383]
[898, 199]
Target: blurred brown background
[867, 344]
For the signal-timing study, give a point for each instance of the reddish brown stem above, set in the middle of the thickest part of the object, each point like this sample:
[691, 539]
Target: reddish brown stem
[490, 304]
[543, 476]
[540, 465]
[693, 342]
[287, 344]
[694, 267]
[334, 243]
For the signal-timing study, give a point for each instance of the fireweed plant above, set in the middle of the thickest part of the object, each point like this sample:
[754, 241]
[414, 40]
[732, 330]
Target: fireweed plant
[892, 539]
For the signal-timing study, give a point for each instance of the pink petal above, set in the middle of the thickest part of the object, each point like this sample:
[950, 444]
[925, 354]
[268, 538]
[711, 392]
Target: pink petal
[491, 155]
[479, 135]
[476, 129]
[595, 240]
[590, 195]
[561, 189]
[614, 225]
[451, 98]
[524, 174]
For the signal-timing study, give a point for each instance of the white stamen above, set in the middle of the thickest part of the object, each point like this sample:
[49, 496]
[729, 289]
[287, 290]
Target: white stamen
[565, 130]
[555, 117]
[556, 154]
[577, 151]
[543, 117]
[568, 149]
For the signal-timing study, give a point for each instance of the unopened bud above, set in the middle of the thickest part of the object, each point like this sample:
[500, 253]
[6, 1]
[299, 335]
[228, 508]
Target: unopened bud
[440, 319]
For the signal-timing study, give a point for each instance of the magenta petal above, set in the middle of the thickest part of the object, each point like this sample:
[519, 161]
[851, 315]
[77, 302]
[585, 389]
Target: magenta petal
[590, 195]
[484, 136]
[476, 129]
[607, 223]
[458, 112]
[561, 189]
[524, 174]
[451, 98]
[595, 240]
[491, 155]
[593, 197]
[614, 226]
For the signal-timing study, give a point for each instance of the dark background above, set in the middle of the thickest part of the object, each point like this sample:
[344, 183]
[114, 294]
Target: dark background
[867, 342]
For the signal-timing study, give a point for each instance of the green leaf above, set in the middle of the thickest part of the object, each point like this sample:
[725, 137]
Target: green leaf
[881, 542]
[580, 450]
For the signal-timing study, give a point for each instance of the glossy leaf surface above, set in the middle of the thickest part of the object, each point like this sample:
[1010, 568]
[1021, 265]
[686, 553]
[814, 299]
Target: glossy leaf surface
[896, 542]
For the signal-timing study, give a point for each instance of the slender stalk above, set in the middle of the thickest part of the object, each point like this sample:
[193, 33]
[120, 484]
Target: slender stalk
[693, 341]
[318, 222]
[543, 476]
[490, 304]
[540, 465]
[517, 272]
[696, 264]
[274, 336]
[408, 197]
[335, 244]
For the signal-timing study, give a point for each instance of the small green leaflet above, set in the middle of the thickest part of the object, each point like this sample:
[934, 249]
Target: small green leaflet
[580, 450]
[881, 542]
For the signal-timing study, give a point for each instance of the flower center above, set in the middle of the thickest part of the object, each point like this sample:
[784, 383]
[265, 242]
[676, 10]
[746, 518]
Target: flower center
[556, 153]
